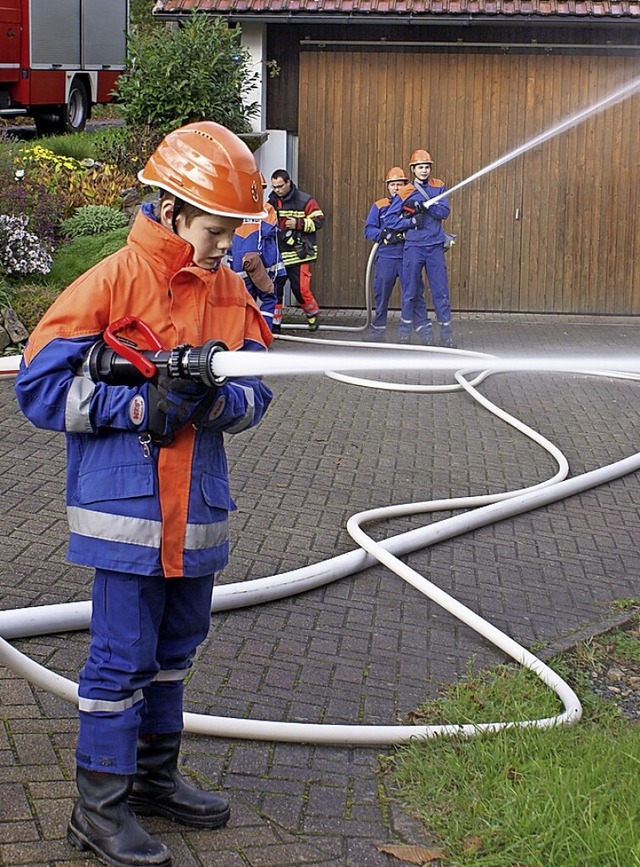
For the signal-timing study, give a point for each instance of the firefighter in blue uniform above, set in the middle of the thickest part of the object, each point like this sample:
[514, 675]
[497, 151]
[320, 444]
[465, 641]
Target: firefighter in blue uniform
[389, 255]
[255, 256]
[411, 212]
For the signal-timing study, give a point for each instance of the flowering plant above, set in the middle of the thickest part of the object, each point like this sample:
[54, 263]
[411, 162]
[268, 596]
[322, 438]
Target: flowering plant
[74, 182]
[22, 252]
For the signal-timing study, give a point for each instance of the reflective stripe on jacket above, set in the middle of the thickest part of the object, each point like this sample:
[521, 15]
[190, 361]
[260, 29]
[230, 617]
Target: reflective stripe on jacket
[133, 507]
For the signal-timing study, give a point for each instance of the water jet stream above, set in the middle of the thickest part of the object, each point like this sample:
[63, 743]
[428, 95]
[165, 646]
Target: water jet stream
[619, 95]
[425, 359]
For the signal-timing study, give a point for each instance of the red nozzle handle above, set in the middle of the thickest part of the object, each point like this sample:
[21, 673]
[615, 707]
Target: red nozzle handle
[133, 356]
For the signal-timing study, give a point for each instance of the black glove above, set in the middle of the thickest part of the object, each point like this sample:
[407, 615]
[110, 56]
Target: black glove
[173, 403]
[422, 206]
[389, 236]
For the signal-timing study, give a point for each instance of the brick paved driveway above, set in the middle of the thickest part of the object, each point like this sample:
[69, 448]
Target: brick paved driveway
[365, 649]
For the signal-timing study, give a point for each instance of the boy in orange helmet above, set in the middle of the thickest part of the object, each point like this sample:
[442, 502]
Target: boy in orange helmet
[147, 484]
[388, 257]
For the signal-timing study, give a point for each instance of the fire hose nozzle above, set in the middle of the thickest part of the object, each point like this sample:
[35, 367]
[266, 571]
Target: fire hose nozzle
[107, 364]
[197, 362]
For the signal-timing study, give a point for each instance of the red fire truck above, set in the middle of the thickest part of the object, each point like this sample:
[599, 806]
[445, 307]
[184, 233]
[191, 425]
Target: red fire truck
[58, 58]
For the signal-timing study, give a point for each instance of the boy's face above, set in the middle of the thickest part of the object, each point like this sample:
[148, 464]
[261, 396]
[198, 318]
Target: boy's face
[422, 171]
[394, 187]
[209, 234]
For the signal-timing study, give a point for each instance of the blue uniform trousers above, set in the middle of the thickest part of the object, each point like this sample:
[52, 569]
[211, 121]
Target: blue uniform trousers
[387, 271]
[266, 301]
[414, 315]
[144, 634]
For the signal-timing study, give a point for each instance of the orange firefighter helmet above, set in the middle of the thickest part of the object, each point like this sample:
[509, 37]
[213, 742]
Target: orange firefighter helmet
[420, 156]
[396, 173]
[208, 166]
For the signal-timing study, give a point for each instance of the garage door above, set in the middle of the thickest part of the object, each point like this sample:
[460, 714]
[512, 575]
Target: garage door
[557, 229]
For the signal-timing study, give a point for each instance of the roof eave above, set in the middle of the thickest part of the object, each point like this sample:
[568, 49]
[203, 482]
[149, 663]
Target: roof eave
[463, 20]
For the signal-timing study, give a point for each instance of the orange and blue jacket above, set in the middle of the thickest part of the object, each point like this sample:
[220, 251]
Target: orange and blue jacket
[133, 506]
[391, 242]
[261, 238]
[422, 229]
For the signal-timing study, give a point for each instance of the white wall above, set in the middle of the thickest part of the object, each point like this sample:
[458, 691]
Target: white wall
[254, 39]
[280, 151]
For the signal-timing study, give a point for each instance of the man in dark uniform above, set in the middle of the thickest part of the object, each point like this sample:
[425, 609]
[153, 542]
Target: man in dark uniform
[299, 218]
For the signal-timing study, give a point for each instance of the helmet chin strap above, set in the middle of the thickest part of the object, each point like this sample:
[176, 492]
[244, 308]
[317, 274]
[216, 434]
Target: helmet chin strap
[177, 207]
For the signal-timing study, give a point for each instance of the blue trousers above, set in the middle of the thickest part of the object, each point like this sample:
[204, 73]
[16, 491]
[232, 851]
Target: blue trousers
[144, 635]
[266, 301]
[387, 271]
[414, 315]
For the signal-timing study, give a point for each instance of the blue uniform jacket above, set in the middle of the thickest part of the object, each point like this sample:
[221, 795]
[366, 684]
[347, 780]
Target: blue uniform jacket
[422, 229]
[391, 241]
[261, 238]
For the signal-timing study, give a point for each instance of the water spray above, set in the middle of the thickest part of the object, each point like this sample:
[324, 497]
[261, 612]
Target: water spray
[393, 358]
[619, 95]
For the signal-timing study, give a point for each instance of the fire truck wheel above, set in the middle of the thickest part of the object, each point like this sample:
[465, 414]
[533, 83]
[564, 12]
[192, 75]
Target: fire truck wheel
[76, 111]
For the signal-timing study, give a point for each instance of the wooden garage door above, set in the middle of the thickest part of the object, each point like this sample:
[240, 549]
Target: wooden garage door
[557, 229]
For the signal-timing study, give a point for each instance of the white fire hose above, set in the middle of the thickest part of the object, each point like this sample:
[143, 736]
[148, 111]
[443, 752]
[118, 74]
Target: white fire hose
[482, 511]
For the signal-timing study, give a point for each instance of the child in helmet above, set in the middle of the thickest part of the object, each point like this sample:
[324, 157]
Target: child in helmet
[147, 484]
[388, 257]
[424, 248]
[255, 256]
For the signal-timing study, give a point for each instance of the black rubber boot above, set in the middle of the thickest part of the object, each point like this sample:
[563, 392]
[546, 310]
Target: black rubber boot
[102, 822]
[159, 789]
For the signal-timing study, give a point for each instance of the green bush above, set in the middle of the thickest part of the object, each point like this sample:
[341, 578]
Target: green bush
[28, 195]
[128, 148]
[76, 257]
[196, 72]
[140, 16]
[7, 292]
[79, 146]
[31, 301]
[94, 220]
[31, 297]
[72, 183]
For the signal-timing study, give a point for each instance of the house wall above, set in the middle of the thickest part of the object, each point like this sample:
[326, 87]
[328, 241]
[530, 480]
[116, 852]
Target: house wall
[254, 39]
[557, 229]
